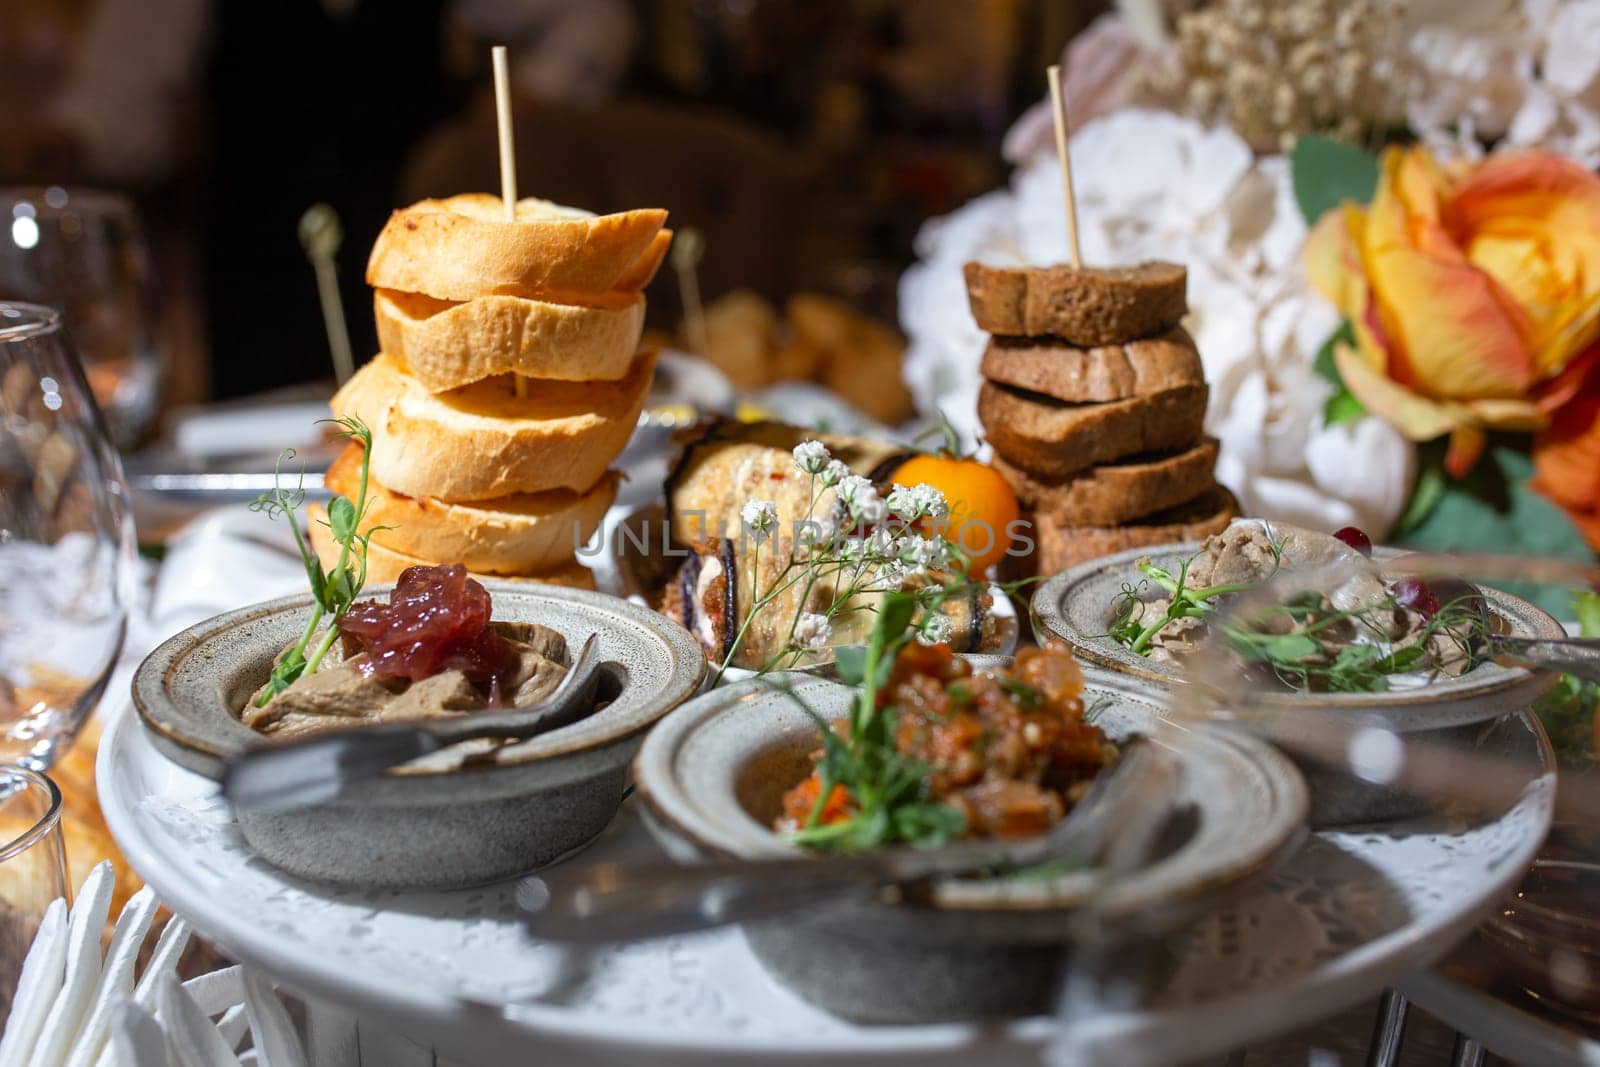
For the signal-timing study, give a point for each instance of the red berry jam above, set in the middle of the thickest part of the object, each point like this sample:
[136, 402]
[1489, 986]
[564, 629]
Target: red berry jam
[437, 619]
[1356, 538]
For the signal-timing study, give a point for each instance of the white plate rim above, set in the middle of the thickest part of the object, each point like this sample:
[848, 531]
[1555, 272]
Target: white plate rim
[1231, 1021]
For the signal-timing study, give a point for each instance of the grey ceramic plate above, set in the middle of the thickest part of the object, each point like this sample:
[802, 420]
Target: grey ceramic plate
[463, 815]
[1076, 606]
[712, 775]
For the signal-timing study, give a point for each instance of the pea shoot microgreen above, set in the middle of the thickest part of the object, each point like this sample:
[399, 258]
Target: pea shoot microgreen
[888, 790]
[1568, 711]
[333, 590]
[1305, 643]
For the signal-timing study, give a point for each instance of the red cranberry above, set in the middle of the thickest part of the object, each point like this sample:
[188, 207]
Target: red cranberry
[1414, 593]
[437, 619]
[1356, 538]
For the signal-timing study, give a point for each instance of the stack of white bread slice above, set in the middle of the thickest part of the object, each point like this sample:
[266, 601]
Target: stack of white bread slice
[510, 377]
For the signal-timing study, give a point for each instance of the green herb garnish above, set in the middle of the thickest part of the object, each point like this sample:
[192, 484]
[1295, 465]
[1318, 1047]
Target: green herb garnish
[888, 790]
[1305, 643]
[1567, 711]
[335, 589]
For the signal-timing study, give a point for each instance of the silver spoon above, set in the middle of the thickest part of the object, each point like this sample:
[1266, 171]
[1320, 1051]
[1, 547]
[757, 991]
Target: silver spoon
[278, 776]
[610, 902]
[1577, 656]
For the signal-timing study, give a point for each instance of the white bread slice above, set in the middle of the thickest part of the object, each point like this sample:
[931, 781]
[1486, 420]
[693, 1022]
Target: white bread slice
[446, 344]
[385, 565]
[511, 535]
[463, 247]
[483, 441]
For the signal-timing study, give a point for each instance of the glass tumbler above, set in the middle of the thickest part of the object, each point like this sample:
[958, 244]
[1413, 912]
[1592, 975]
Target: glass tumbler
[66, 541]
[33, 867]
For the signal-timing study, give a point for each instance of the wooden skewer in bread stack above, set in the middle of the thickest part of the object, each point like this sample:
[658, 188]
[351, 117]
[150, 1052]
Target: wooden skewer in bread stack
[1094, 402]
[508, 381]
[1094, 398]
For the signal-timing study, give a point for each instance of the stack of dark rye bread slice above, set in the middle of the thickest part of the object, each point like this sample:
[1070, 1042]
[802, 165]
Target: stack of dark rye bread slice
[1094, 400]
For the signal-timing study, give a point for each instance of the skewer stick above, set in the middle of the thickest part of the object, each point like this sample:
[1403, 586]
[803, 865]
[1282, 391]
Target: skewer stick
[502, 111]
[321, 235]
[508, 155]
[1058, 110]
[687, 248]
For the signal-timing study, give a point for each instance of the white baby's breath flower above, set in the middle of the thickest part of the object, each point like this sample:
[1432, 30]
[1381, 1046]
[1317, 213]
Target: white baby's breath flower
[924, 553]
[760, 517]
[852, 550]
[934, 629]
[902, 504]
[882, 546]
[814, 532]
[812, 631]
[811, 456]
[833, 473]
[861, 499]
[930, 501]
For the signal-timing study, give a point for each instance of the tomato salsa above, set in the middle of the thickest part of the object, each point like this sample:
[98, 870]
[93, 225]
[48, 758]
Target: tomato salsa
[1009, 749]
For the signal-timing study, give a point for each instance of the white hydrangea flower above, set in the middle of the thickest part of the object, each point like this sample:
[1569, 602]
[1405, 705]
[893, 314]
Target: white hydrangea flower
[812, 631]
[833, 473]
[934, 628]
[1156, 185]
[760, 517]
[812, 457]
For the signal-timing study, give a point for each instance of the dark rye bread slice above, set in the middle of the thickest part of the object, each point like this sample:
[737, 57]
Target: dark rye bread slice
[1058, 545]
[1105, 372]
[1083, 305]
[1116, 492]
[1054, 438]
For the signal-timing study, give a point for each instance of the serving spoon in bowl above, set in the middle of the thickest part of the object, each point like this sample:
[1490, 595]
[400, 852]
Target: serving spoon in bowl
[1128, 809]
[1578, 656]
[281, 775]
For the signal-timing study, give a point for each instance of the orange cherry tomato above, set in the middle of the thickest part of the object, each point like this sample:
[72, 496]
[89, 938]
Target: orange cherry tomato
[983, 508]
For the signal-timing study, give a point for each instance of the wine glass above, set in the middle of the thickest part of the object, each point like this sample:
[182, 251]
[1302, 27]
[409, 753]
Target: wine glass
[66, 541]
[84, 252]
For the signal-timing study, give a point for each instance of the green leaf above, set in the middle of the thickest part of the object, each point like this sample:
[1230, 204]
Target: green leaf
[851, 662]
[1494, 509]
[928, 825]
[1432, 482]
[1324, 363]
[341, 519]
[1291, 648]
[1586, 606]
[1326, 173]
[894, 617]
[1342, 407]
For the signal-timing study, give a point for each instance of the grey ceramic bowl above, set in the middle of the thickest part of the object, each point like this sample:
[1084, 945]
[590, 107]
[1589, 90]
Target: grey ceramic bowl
[713, 774]
[462, 816]
[1076, 607]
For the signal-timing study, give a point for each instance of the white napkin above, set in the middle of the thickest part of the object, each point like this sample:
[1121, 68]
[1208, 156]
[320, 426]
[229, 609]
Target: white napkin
[78, 1008]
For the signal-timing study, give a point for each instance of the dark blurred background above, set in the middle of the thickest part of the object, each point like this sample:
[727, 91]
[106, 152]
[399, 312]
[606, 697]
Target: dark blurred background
[805, 140]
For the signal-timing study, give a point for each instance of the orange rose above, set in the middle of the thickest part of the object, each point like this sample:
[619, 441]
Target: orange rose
[1473, 293]
[1566, 459]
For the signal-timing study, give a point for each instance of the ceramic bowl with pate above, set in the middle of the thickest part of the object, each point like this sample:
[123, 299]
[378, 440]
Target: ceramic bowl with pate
[461, 816]
[1079, 605]
[713, 774]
